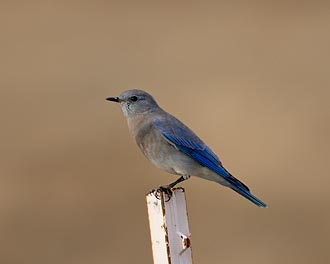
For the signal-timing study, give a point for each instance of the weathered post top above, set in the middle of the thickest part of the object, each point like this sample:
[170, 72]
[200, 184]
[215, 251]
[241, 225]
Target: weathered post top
[168, 220]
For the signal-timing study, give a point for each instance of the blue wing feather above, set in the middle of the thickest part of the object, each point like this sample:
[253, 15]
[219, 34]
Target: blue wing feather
[181, 135]
[186, 141]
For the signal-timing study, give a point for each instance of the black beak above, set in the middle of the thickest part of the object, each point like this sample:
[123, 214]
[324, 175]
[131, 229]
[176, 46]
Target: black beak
[113, 99]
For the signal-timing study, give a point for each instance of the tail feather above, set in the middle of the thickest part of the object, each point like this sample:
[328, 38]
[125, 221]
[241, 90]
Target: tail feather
[234, 183]
[240, 187]
[248, 195]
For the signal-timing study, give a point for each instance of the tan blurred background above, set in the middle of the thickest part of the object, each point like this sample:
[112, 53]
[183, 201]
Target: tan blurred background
[251, 78]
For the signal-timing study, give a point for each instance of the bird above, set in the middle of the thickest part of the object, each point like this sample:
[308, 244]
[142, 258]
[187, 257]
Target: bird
[172, 146]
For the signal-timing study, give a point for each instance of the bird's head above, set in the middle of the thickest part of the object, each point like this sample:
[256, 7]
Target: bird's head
[134, 102]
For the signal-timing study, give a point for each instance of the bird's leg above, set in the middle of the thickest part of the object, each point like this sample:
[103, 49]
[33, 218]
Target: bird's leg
[181, 179]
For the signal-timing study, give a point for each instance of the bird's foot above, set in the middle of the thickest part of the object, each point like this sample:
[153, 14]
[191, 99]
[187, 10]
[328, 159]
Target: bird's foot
[166, 189]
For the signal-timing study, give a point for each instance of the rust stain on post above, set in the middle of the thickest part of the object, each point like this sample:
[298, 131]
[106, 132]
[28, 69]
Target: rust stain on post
[186, 242]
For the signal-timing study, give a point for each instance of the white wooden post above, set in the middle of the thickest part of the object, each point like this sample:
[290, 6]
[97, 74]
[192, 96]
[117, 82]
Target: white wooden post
[169, 229]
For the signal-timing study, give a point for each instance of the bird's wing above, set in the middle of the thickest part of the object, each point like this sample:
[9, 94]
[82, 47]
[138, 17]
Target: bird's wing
[179, 135]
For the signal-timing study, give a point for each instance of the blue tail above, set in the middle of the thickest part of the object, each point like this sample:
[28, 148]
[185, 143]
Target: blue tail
[235, 184]
[246, 193]
[240, 188]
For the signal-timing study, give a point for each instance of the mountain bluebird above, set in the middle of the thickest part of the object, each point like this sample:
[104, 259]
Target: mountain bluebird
[172, 146]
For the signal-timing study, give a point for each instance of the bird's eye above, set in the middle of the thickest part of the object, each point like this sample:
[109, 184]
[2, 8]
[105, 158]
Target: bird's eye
[134, 98]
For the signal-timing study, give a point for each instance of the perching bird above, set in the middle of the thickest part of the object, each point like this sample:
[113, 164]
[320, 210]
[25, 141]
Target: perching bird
[172, 146]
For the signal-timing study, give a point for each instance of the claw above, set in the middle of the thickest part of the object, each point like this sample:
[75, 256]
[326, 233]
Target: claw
[167, 190]
[163, 189]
